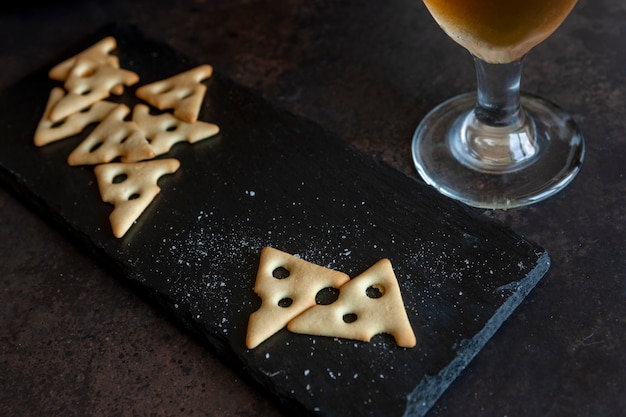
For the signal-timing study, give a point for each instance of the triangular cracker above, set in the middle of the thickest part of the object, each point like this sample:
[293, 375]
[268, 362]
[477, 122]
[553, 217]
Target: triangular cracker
[302, 284]
[113, 137]
[48, 131]
[183, 92]
[385, 314]
[89, 81]
[99, 52]
[131, 187]
[164, 130]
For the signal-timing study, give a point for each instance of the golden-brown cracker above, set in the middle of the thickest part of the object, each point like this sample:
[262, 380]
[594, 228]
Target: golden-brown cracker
[131, 187]
[164, 130]
[367, 305]
[89, 81]
[183, 93]
[114, 137]
[283, 298]
[48, 131]
[99, 52]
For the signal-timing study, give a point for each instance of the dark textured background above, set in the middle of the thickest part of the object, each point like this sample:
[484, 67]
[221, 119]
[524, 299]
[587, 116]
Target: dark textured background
[75, 342]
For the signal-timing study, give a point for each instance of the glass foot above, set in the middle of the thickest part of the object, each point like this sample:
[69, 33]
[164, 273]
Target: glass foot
[536, 162]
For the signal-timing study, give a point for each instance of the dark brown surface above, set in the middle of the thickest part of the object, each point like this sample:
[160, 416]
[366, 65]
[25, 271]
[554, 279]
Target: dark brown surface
[75, 342]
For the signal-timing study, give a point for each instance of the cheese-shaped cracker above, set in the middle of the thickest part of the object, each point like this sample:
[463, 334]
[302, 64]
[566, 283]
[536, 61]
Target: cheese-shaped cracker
[183, 93]
[367, 305]
[164, 130]
[284, 297]
[131, 187]
[48, 131]
[113, 137]
[89, 81]
[99, 52]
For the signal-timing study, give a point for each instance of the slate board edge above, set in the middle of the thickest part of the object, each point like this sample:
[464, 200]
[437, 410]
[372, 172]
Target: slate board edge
[428, 391]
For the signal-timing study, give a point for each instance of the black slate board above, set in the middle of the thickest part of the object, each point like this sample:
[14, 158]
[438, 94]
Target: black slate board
[273, 179]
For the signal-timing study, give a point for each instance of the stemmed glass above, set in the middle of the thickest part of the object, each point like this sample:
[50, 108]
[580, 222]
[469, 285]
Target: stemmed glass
[498, 148]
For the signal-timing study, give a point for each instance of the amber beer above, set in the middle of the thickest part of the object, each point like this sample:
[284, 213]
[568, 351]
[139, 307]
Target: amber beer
[499, 31]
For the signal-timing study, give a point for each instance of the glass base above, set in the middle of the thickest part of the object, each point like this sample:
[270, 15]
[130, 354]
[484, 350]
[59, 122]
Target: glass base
[439, 153]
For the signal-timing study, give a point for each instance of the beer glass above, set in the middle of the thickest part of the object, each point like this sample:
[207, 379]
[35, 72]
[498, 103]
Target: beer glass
[498, 148]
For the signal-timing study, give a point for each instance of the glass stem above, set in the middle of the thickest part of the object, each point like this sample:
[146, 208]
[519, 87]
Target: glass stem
[497, 136]
[498, 102]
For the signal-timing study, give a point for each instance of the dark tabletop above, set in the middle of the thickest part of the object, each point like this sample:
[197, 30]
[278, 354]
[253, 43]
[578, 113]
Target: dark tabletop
[74, 341]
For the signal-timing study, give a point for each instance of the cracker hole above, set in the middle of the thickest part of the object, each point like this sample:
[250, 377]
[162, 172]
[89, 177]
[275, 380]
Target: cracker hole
[171, 127]
[133, 196]
[85, 92]
[375, 291]
[119, 178]
[349, 318]
[285, 302]
[95, 147]
[326, 296]
[280, 273]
